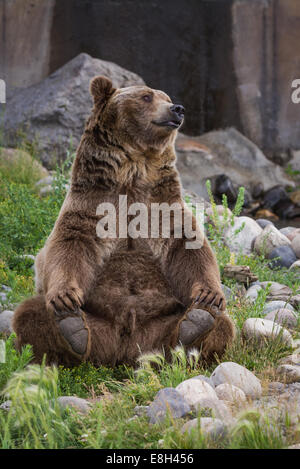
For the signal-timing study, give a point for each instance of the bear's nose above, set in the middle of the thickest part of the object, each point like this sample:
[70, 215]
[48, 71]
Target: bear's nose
[178, 109]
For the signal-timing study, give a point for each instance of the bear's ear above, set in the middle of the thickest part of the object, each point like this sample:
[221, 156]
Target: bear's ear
[101, 89]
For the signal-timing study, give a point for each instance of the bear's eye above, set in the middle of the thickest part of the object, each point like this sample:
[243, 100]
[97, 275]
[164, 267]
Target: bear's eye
[148, 98]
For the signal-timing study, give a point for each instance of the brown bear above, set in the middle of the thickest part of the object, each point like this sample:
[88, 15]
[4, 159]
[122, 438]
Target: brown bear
[109, 299]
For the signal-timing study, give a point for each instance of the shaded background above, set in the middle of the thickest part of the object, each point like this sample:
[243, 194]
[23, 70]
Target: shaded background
[231, 62]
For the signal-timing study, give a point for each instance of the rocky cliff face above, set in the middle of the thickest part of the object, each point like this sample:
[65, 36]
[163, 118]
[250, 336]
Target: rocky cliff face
[53, 112]
[231, 62]
[25, 41]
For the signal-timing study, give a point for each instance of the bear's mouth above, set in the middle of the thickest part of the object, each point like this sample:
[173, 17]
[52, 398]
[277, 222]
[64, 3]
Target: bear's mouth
[174, 123]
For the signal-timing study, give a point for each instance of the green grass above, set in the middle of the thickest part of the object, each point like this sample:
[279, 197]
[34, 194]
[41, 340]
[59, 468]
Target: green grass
[36, 421]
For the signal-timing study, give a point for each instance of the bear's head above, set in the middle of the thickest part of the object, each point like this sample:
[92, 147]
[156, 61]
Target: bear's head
[137, 115]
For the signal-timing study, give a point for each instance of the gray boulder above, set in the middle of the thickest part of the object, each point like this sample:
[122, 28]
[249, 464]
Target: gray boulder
[295, 266]
[252, 293]
[289, 373]
[263, 222]
[239, 376]
[210, 427]
[275, 305]
[6, 322]
[81, 405]
[53, 112]
[167, 400]
[230, 393]
[296, 245]
[262, 330]
[284, 317]
[269, 239]
[213, 408]
[279, 292]
[225, 152]
[193, 390]
[283, 256]
[242, 241]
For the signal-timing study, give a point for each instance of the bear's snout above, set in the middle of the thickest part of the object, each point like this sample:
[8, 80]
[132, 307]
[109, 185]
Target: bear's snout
[178, 110]
[177, 114]
[174, 117]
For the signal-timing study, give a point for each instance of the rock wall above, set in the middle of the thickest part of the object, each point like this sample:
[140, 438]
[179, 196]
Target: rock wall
[25, 34]
[174, 45]
[266, 41]
[231, 62]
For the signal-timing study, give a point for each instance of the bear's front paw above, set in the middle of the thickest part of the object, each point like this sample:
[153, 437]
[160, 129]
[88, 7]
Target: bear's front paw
[213, 301]
[63, 300]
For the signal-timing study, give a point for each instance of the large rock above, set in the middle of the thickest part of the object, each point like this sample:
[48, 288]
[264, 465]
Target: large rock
[209, 427]
[213, 408]
[252, 293]
[6, 318]
[195, 389]
[53, 112]
[284, 317]
[242, 241]
[262, 330]
[278, 200]
[225, 152]
[295, 267]
[167, 400]
[293, 233]
[296, 245]
[230, 393]
[237, 375]
[81, 405]
[293, 359]
[204, 378]
[279, 292]
[269, 239]
[275, 305]
[262, 222]
[289, 373]
[283, 256]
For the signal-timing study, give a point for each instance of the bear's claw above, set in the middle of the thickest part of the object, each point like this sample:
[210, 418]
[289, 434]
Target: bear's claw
[211, 301]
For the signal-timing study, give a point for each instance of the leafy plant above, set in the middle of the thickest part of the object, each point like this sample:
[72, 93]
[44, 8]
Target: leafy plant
[221, 222]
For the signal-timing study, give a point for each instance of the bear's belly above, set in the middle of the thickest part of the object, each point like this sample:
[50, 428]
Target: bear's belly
[129, 279]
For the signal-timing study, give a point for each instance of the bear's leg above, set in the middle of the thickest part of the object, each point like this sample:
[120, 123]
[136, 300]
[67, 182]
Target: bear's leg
[64, 340]
[124, 327]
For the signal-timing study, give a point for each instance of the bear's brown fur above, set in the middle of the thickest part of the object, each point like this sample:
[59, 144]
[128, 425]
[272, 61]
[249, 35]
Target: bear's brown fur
[132, 293]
